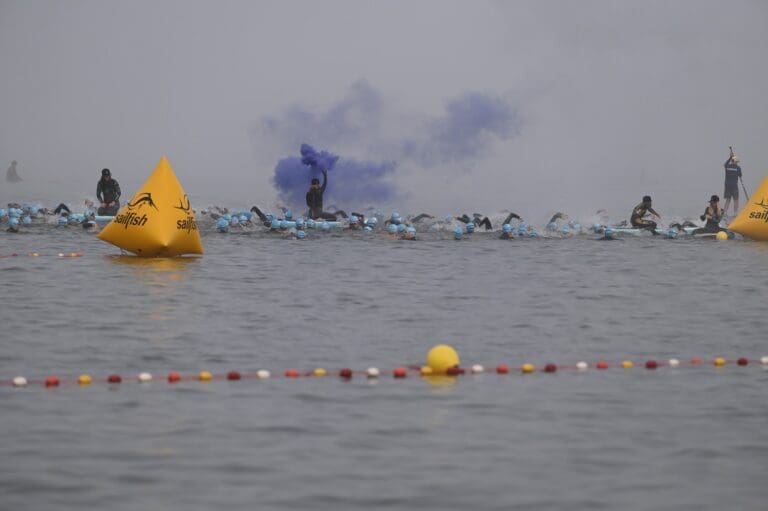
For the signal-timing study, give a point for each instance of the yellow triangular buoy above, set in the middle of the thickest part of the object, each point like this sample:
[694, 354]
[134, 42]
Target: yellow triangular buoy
[752, 220]
[158, 221]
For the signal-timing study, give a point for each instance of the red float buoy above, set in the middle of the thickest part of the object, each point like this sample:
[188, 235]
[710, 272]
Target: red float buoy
[400, 372]
[550, 368]
[651, 364]
[174, 377]
[502, 369]
[51, 381]
[233, 375]
[742, 361]
[345, 373]
[114, 378]
[292, 373]
[602, 364]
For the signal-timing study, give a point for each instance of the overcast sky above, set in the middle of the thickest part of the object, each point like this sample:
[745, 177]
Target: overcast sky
[595, 103]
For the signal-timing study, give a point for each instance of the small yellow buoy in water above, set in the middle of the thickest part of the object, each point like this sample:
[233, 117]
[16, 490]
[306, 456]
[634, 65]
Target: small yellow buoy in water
[84, 379]
[442, 357]
[721, 236]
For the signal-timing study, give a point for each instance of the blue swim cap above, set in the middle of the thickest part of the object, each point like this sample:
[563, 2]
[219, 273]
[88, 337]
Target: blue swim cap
[243, 218]
[372, 221]
[222, 225]
[325, 226]
[275, 224]
[392, 229]
[506, 228]
[283, 224]
[353, 219]
[26, 220]
[470, 227]
[671, 233]
[411, 230]
[299, 223]
[311, 223]
[608, 232]
[288, 214]
[62, 220]
[400, 227]
[566, 229]
[14, 213]
[576, 226]
[234, 221]
[595, 227]
[300, 234]
[457, 233]
[395, 215]
[534, 234]
[226, 217]
[367, 228]
[3, 212]
[13, 221]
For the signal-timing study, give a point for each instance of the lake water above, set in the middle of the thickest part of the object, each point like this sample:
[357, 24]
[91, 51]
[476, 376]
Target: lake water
[693, 437]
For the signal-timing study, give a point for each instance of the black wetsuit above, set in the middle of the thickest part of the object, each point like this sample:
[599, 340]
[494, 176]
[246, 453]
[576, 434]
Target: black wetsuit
[484, 222]
[713, 217]
[637, 219]
[61, 208]
[732, 175]
[106, 192]
[315, 199]
[510, 217]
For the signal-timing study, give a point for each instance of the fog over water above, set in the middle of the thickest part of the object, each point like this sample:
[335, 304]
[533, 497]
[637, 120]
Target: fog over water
[468, 106]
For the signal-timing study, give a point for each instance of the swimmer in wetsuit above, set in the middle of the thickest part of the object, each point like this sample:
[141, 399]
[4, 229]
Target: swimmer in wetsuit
[713, 214]
[640, 211]
[108, 193]
[477, 219]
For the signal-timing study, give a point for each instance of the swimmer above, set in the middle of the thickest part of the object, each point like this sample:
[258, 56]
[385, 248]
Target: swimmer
[640, 211]
[552, 225]
[266, 220]
[477, 220]
[506, 232]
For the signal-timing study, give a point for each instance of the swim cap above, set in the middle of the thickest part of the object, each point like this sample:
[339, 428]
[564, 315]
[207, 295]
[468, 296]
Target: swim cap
[457, 233]
[411, 230]
[533, 234]
[2, 212]
[470, 227]
[367, 228]
[353, 219]
[275, 224]
[506, 228]
[392, 229]
[299, 223]
[243, 218]
[311, 223]
[234, 221]
[13, 222]
[595, 227]
[62, 220]
[395, 215]
[288, 214]
[283, 224]
[608, 232]
[26, 220]
[400, 227]
[105, 172]
[226, 217]
[222, 225]
[372, 220]
[671, 233]
[300, 234]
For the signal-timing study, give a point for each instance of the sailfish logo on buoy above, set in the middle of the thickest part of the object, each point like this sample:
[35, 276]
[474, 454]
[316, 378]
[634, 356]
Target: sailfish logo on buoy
[141, 199]
[162, 228]
[752, 221]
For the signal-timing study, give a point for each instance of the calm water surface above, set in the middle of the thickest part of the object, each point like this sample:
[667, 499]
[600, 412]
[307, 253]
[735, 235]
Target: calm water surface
[686, 438]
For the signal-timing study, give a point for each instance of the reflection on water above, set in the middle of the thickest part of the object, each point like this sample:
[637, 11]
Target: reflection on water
[161, 276]
[156, 271]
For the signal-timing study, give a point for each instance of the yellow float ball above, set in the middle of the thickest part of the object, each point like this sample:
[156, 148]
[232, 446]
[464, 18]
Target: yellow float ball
[627, 364]
[319, 372]
[205, 376]
[719, 362]
[84, 379]
[426, 371]
[442, 357]
[528, 368]
[721, 236]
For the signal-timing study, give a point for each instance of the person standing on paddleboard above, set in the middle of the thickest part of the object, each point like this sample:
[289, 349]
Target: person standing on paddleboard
[732, 176]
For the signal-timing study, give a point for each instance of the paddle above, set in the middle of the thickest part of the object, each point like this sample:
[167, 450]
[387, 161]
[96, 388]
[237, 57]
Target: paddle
[744, 188]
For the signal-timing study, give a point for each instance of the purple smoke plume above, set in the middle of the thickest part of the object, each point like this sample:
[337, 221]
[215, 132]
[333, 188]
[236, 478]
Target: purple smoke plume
[351, 183]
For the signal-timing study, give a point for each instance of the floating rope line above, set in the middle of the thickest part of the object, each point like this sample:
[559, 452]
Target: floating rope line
[374, 373]
[59, 255]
